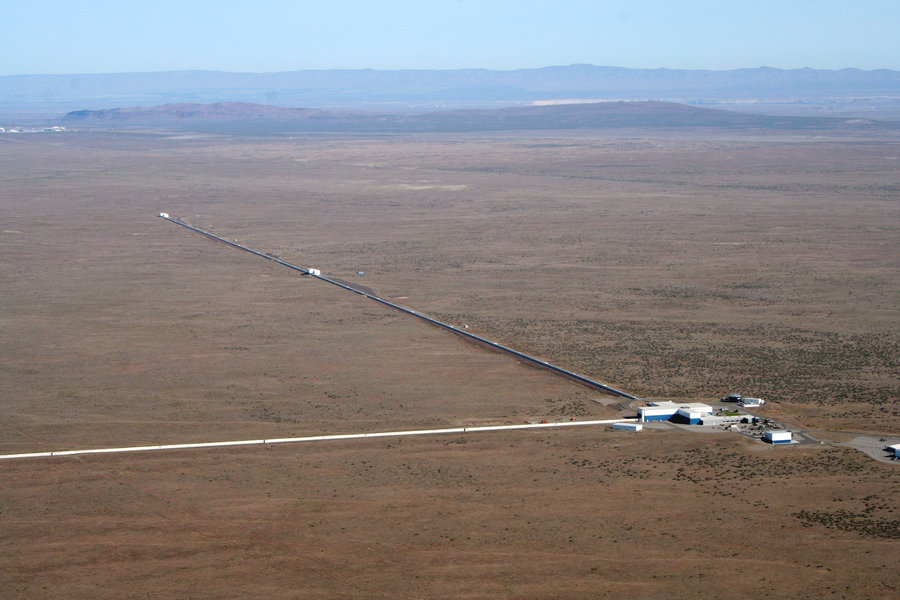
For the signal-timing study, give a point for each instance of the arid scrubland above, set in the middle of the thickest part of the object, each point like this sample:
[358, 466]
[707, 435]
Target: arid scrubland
[679, 264]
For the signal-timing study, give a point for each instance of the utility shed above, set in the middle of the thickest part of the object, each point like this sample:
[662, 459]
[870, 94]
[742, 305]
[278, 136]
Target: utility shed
[164, 215]
[627, 426]
[896, 449]
[778, 437]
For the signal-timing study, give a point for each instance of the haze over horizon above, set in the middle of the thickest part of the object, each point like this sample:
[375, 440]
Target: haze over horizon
[100, 36]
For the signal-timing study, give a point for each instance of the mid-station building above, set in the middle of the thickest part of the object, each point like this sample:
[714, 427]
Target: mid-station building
[691, 413]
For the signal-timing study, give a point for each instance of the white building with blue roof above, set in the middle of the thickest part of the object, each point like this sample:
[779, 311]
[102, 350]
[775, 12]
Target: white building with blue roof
[690, 413]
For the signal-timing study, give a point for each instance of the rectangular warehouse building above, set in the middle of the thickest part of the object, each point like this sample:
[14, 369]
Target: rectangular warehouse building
[690, 414]
[627, 426]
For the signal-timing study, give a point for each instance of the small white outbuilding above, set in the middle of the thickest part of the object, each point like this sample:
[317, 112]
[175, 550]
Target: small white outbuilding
[778, 437]
[627, 426]
[751, 402]
[164, 215]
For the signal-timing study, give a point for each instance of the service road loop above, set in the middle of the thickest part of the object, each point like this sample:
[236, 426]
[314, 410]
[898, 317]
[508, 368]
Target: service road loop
[315, 438]
[536, 361]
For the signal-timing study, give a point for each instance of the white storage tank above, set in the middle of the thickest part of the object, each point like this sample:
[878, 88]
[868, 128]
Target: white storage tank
[778, 437]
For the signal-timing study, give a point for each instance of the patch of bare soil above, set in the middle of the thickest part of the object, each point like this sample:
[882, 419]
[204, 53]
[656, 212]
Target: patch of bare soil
[667, 266]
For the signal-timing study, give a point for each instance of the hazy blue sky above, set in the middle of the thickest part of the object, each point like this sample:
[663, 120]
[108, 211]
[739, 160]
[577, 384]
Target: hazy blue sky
[100, 36]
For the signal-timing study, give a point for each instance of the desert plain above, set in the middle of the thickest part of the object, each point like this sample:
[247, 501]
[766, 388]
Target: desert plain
[672, 264]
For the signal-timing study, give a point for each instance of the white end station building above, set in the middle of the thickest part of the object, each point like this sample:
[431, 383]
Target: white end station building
[691, 413]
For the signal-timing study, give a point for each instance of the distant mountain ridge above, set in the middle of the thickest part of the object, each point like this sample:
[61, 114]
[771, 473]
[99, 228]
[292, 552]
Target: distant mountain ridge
[249, 118]
[423, 89]
[192, 111]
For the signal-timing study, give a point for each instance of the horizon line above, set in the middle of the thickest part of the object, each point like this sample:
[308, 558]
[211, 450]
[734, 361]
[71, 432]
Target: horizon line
[400, 70]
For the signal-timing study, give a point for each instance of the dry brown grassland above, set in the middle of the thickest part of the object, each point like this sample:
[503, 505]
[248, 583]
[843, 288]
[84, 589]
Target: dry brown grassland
[672, 265]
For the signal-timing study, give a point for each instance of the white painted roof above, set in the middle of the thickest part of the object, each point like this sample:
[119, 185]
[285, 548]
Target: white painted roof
[694, 406]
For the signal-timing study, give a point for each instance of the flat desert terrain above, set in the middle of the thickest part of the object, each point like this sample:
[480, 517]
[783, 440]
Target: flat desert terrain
[668, 264]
